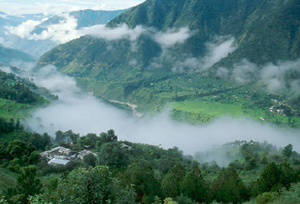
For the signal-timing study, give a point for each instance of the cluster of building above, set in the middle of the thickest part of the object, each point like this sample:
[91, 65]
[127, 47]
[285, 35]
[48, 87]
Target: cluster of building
[61, 155]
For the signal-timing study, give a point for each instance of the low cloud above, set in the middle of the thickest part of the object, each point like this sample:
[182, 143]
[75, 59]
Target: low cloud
[245, 71]
[6, 69]
[60, 33]
[84, 113]
[23, 30]
[66, 30]
[118, 33]
[280, 78]
[172, 37]
[217, 49]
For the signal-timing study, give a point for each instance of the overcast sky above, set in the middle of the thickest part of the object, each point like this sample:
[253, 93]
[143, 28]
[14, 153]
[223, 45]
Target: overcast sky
[17, 7]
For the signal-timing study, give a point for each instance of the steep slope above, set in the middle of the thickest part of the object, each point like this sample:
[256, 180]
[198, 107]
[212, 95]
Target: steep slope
[36, 48]
[8, 55]
[149, 70]
[272, 25]
[85, 18]
[18, 96]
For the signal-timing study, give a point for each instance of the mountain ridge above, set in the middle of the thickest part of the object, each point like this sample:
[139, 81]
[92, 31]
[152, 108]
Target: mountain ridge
[141, 71]
[8, 55]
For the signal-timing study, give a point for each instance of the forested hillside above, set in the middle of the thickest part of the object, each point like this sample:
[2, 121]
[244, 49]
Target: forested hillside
[19, 96]
[203, 52]
[113, 171]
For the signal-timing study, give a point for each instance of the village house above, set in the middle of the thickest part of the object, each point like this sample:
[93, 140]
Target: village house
[62, 156]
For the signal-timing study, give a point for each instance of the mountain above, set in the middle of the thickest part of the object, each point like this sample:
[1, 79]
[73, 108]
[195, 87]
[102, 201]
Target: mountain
[85, 18]
[265, 31]
[37, 47]
[15, 20]
[8, 55]
[170, 53]
[18, 96]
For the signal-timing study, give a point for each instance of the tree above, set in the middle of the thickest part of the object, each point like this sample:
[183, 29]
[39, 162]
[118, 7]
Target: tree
[107, 137]
[288, 174]
[171, 183]
[27, 185]
[90, 160]
[59, 137]
[250, 157]
[169, 201]
[114, 155]
[287, 151]
[229, 187]
[194, 186]
[142, 176]
[270, 179]
[84, 186]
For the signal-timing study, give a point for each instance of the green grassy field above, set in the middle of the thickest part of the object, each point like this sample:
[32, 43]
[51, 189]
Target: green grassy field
[212, 110]
[11, 109]
[197, 98]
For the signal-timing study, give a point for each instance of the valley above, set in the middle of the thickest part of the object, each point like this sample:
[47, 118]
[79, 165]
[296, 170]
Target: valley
[165, 102]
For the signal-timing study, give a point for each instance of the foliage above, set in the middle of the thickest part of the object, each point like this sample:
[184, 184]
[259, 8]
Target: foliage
[270, 179]
[16, 154]
[90, 160]
[171, 183]
[140, 173]
[84, 186]
[287, 151]
[113, 154]
[104, 66]
[195, 187]
[37, 199]
[27, 185]
[228, 187]
[142, 176]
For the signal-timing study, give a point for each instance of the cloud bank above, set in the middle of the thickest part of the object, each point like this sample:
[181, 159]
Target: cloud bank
[280, 78]
[66, 30]
[23, 30]
[217, 49]
[84, 114]
[171, 37]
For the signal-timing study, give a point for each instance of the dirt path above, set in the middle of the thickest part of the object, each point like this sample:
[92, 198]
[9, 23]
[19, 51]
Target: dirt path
[131, 106]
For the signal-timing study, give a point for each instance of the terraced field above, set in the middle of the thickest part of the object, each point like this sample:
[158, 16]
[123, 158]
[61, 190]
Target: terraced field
[11, 109]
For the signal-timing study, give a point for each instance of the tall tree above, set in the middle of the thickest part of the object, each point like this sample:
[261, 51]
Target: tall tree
[287, 151]
[171, 182]
[142, 176]
[27, 185]
[270, 179]
[195, 187]
[229, 187]
[84, 186]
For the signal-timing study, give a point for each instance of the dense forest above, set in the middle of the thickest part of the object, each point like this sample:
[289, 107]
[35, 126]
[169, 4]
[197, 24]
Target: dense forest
[124, 172]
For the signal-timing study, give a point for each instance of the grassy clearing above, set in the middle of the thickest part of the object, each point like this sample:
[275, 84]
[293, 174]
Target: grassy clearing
[196, 98]
[214, 109]
[11, 109]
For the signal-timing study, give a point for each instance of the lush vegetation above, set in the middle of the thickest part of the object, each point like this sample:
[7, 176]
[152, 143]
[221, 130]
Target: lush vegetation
[126, 172]
[113, 70]
[18, 96]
